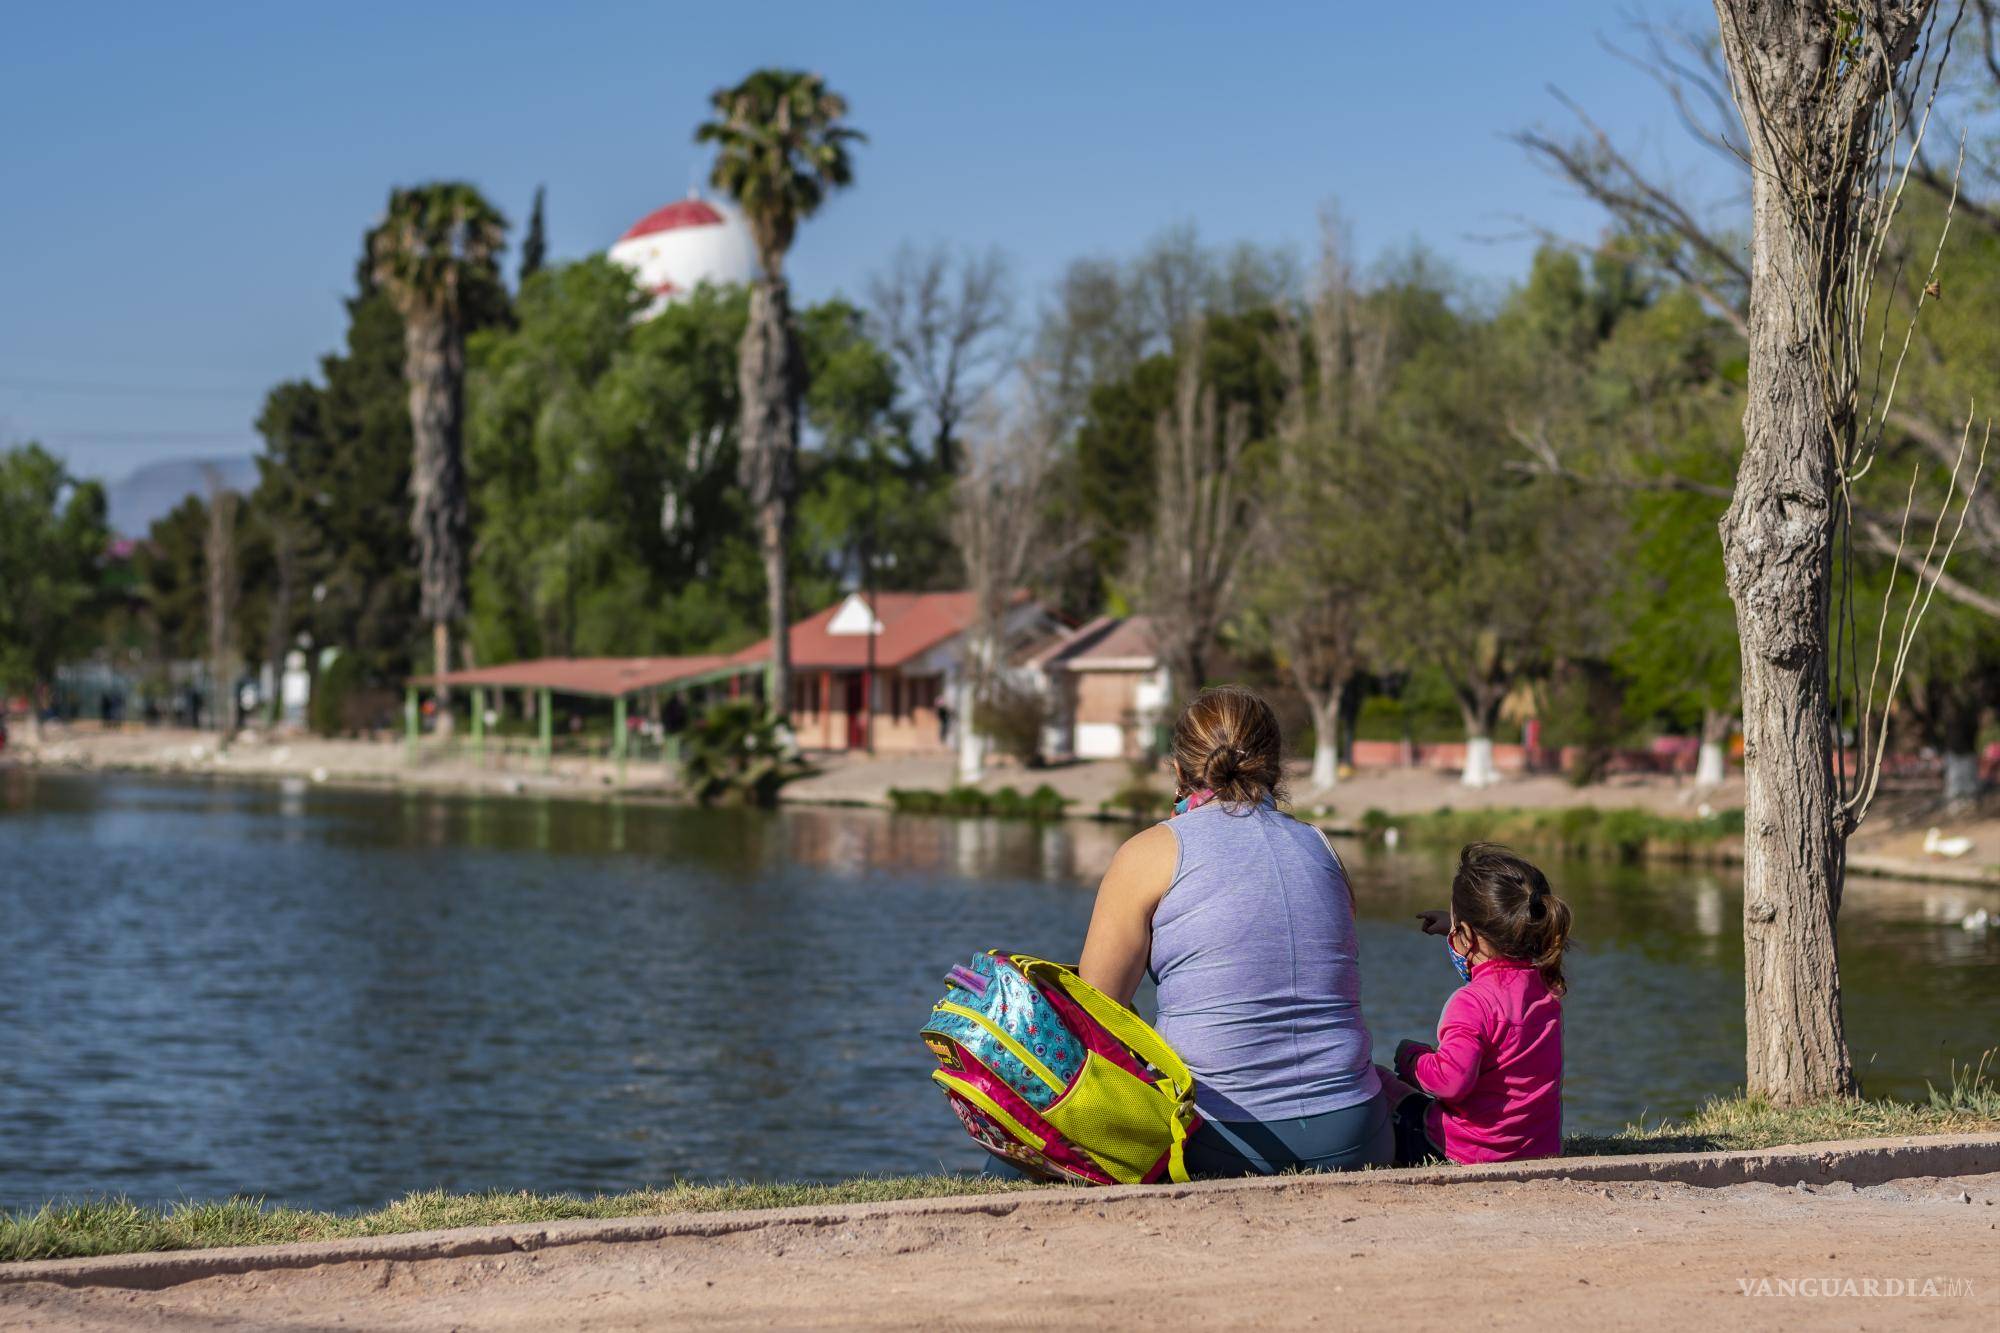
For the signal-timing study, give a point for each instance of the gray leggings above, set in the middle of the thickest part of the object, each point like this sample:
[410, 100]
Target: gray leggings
[1343, 1140]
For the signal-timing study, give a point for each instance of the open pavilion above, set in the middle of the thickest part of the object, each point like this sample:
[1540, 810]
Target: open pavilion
[622, 680]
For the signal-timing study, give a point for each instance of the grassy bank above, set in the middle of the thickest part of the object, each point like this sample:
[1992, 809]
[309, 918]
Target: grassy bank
[1576, 832]
[117, 1226]
[1969, 1105]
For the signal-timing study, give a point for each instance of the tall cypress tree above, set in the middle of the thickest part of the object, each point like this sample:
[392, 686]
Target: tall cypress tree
[535, 248]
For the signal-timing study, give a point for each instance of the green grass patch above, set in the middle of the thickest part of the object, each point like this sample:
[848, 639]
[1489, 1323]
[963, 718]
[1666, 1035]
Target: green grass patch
[119, 1226]
[1044, 802]
[1574, 832]
[1971, 1104]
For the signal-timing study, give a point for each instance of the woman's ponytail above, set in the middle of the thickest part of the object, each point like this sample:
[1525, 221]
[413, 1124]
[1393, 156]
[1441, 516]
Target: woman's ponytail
[1227, 740]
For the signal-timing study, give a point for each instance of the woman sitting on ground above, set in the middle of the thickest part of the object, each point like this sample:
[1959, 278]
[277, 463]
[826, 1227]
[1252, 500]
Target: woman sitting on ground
[1245, 920]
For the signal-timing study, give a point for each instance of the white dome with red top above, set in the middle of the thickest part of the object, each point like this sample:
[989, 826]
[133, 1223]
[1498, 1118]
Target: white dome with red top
[673, 250]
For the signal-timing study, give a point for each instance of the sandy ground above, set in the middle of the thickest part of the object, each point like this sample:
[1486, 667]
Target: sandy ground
[1317, 1254]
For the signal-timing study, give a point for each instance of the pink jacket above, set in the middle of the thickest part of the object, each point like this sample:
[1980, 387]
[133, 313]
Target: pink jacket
[1497, 1069]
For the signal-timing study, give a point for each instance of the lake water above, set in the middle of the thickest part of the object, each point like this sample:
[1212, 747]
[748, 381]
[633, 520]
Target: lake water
[330, 998]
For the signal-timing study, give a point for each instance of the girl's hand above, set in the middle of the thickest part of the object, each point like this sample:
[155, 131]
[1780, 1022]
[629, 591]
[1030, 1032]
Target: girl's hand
[1407, 1052]
[1435, 922]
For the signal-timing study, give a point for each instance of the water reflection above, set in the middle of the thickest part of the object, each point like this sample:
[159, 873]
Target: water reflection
[331, 997]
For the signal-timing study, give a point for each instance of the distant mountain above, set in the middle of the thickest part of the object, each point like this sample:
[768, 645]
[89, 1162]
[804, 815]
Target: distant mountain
[150, 492]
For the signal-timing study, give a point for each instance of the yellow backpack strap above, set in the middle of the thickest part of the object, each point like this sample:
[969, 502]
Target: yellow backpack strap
[1176, 1080]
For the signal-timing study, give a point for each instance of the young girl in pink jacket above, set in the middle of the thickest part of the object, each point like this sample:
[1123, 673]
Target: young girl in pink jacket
[1490, 1090]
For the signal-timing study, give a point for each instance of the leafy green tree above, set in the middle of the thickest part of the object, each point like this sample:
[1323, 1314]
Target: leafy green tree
[170, 570]
[1669, 384]
[439, 241]
[603, 455]
[52, 542]
[1487, 573]
[781, 147]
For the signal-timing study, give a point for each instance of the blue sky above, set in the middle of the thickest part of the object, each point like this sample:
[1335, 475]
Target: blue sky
[185, 186]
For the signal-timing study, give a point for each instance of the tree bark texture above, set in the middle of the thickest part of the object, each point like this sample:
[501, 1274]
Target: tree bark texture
[219, 558]
[1803, 87]
[434, 365]
[771, 382]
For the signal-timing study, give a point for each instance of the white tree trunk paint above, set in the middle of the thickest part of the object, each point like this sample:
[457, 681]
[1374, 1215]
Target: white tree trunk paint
[971, 745]
[1326, 763]
[1711, 768]
[1326, 741]
[1479, 769]
[1961, 778]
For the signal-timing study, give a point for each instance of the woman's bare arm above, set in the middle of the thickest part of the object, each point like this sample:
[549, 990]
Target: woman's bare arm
[1121, 925]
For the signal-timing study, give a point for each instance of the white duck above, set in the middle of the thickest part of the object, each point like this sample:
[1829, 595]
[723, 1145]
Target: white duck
[1936, 844]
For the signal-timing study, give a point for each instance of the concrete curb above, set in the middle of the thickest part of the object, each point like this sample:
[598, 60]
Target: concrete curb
[1858, 1162]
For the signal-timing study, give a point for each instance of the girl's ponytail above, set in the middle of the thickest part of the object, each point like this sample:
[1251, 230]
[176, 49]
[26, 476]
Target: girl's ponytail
[1552, 914]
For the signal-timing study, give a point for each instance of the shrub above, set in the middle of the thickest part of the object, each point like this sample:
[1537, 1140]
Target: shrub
[1012, 717]
[327, 711]
[1044, 802]
[735, 753]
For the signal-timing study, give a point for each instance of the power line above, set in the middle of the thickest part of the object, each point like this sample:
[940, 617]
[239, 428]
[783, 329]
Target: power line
[33, 385]
[137, 437]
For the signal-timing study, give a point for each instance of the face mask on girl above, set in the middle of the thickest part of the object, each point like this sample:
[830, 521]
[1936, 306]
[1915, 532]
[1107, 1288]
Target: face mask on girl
[1460, 963]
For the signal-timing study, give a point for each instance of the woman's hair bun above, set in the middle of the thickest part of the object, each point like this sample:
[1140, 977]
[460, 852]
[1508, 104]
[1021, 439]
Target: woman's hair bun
[1227, 740]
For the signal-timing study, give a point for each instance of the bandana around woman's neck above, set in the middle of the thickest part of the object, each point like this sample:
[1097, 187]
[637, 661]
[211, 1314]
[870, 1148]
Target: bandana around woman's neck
[1193, 801]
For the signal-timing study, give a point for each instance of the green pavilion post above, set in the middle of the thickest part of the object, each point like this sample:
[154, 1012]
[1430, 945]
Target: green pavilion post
[545, 715]
[618, 735]
[479, 724]
[410, 726]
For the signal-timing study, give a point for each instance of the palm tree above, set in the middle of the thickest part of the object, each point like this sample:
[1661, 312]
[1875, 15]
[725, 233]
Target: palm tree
[780, 150]
[438, 242]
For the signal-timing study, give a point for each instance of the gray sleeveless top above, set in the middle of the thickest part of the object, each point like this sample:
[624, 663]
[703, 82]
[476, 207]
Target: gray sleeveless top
[1259, 976]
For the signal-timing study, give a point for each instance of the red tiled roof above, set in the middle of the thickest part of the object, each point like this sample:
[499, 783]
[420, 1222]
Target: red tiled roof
[604, 676]
[913, 623]
[1106, 643]
[680, 213]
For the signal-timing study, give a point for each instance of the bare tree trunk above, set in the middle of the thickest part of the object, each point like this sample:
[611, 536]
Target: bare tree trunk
[1188, 563]
[1960, 735]
[441, 657]
[1479, 709]
[971, 742]
[1325, 706]
[219, 557]
[1778, 541]
[434, 366]
[1711, 765]
[771, 381]
[278, 633]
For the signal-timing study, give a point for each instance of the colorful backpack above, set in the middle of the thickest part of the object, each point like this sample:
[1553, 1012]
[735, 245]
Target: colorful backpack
[1054, 1076]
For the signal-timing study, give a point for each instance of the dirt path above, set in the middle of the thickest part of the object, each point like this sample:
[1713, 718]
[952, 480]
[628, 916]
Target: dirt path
[1323, 1253]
